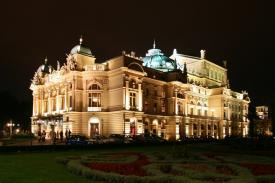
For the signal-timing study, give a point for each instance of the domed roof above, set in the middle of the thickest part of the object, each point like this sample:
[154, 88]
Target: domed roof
[45, 68]
[155, 59]
[81, 49]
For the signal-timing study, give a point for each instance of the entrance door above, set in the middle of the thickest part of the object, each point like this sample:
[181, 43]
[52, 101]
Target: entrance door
[133, 128]
[94, 129]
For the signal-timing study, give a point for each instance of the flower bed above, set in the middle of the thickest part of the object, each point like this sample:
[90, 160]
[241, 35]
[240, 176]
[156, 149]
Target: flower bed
[133, 168]
[259, 169]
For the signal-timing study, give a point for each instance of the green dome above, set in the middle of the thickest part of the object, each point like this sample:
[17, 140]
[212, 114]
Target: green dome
[155, 59]
[45, 68]
[81, 50]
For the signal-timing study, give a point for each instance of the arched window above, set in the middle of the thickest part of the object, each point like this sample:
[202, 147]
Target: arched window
[94, 87]
[180, 95]
[133, 84]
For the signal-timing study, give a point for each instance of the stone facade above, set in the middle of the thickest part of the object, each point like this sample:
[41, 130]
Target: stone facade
[179, 96]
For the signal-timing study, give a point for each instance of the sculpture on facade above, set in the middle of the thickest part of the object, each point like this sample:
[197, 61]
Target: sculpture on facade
[71, 63]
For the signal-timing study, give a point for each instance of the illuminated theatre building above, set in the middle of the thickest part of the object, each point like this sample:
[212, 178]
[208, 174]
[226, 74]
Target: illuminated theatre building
[180, 96]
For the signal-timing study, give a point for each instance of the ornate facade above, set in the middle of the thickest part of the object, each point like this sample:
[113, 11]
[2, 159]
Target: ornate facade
[173, 97]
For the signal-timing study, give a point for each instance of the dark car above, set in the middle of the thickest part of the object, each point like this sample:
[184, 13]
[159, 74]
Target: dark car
[98, 139]
[77, 140]
[116, 139]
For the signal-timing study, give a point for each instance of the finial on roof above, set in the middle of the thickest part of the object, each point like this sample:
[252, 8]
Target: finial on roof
[46, 59]
[175, 52]
[80, 40]
[154, 45]
[203, 52]
[225, 64]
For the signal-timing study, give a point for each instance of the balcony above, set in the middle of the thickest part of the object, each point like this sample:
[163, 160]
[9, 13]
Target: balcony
[94, 109]
[95, 67]
[203, 117]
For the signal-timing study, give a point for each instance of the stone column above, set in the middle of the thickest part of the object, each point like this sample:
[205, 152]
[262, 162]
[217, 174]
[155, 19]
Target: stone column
[66, 99]
[57, 102]
[127, 96]
[139, 97]
[212, 129]
[176, 101]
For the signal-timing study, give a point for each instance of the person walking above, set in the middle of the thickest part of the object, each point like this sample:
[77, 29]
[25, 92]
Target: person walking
[66, 134]
[39, 136]
[70, 133]
[61, 135]
[43, 136]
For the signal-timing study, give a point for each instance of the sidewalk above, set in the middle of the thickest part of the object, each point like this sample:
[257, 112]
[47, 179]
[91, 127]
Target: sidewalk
[33, 142]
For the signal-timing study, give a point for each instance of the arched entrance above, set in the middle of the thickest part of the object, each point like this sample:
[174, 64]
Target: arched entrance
[94, 127]
[146, 126]
[133, 126]
[155, 127]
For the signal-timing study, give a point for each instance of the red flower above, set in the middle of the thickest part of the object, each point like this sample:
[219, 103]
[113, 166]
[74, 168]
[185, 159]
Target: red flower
[133, 168]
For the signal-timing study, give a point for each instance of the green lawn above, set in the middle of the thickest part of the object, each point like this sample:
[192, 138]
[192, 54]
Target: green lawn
[36, 168]
[41, 167]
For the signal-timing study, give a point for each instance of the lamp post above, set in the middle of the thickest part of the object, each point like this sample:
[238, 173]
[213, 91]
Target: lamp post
[10, 125]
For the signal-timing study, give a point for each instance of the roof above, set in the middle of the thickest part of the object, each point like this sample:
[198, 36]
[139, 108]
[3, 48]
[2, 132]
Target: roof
[80, 49]
[155, 59]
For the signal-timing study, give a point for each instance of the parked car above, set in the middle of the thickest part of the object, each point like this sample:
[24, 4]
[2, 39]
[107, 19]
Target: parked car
[116, 139]
[98, 139]
[77, 140]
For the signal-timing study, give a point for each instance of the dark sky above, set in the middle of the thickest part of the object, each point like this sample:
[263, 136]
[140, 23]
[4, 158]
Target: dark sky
[241, 32]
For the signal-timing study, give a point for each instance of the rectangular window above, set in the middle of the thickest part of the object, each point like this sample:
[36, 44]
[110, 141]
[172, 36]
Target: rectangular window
[54, 105]
[132, 100]
[62, 103]
[162, 106]
[199, 112]
[155, 107]
[145, 106]
[96, 100]
[191, 111]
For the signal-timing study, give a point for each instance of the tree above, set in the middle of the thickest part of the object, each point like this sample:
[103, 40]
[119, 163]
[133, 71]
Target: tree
[12, 109]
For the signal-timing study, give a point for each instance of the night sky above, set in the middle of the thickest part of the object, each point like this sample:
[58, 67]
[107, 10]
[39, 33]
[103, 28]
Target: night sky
[241, 32]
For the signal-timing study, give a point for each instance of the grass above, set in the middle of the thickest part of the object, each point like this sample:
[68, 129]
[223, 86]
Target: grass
[42, 167]
[36, 168]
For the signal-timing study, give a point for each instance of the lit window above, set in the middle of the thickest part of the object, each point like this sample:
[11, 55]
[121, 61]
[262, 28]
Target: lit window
[94, 99]
[199, 112]
[54, 105]
[162, 106]
[132, 100]
[132, 84]
[145, 106]
[94, 87]
[191, 111]
[45, 106]
[155, 107]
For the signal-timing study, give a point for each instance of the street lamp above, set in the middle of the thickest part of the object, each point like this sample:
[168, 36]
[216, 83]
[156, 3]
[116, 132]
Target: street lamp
[10, 125]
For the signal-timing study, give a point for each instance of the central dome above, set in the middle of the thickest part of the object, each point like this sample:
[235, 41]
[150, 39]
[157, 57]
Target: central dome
[155, 59]
[81, 49]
